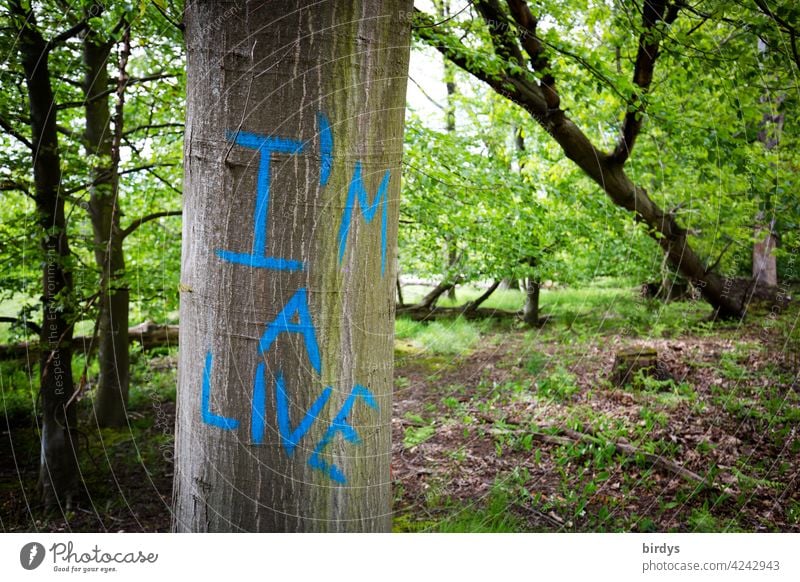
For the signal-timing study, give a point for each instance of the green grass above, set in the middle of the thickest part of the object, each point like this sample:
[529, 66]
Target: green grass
[454, 337]
[494, 517]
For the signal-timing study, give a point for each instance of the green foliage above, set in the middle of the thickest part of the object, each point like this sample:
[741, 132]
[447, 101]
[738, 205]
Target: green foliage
[703, 521]
[560, 385]
[150, 168]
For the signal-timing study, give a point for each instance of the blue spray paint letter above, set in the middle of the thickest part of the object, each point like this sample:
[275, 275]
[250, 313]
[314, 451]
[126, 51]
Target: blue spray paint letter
[325, 148]
[205, 405]
[341, 425]
[358, 193]
[297, 305]
[258, 407]
[290, 437]
[267, 146]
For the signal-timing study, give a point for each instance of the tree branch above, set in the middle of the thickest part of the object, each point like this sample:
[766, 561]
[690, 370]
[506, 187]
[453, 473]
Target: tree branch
[11, 185]
[719, 258]
[114, 89]
[31, 325]
[67, 34]
[535, 49]
[497, 23]
[473, 305]
[654, 11]
[147, 78]
[100, 179]
[151, 126]
[144, 219]
[788, 28]
[178, 25]
[14, 133]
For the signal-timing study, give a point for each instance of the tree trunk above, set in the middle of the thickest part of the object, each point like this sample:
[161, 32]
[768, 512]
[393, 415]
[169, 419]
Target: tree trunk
[400, 301]
[530, 312]
[450, 119]
[472, 306]
[58, 459]
[294, 136]
[723, 293]
[429, 301]
[112, 387]
[765, 266]
[542, 101]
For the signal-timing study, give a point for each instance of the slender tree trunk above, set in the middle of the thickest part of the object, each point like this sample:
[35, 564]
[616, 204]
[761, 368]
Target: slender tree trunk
[58, 459]
[294, 134]
[429, 301]
[765, 266]
[530, 312]
[472, 306]
[400, 301]
[113, 359]
[450, 119]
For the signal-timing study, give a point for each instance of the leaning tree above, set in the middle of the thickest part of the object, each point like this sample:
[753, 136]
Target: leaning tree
[520, 53]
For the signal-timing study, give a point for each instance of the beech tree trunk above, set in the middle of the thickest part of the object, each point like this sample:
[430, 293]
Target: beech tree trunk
[294, 136]
[113, 357]
[58, 460]
[530, 312]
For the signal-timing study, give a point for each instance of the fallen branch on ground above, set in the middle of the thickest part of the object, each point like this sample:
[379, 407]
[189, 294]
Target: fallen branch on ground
[566, 436]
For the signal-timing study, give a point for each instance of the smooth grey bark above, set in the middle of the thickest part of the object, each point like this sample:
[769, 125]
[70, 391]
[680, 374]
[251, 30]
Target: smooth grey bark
[262, 68]
[111, 398]
[530, 312]
[765, 265]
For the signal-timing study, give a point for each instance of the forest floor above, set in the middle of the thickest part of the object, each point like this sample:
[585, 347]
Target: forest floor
[499, 427]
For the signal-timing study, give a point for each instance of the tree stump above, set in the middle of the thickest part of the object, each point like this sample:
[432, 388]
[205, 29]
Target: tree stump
[629, 362]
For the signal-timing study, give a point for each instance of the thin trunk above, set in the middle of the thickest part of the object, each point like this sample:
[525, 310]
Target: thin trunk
[450, 119]
[429, 301]
[473, 305]
[58, 461]
[112, 388]
[765, 266]
[452, 259]
[530, 313]
[291, 196]
[400, 301]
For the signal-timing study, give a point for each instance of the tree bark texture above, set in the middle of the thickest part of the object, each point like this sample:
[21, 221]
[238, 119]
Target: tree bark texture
[58, 463]
[294, 137]
[530, 312]
[112, 333]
